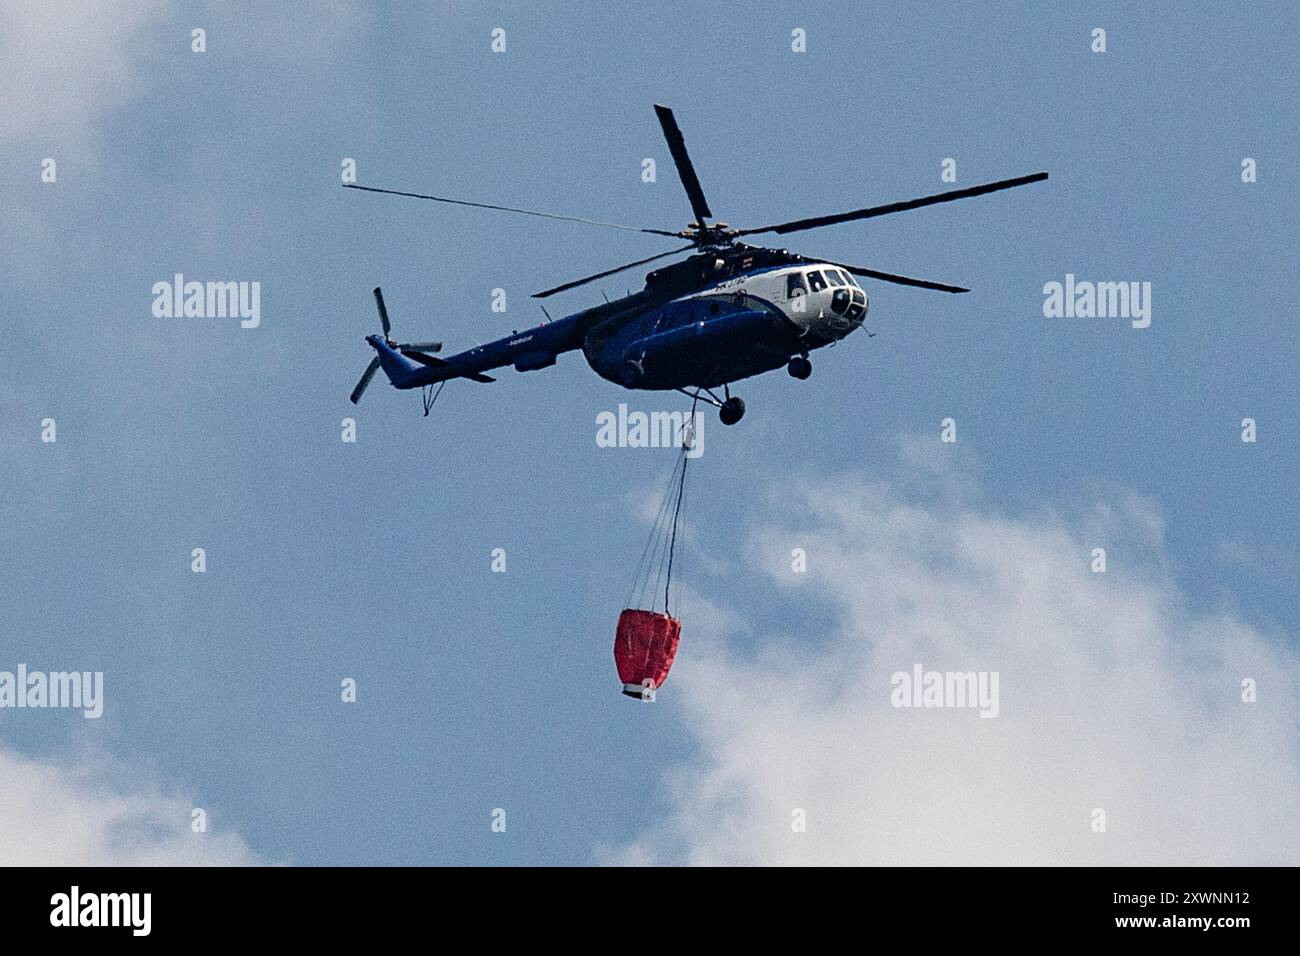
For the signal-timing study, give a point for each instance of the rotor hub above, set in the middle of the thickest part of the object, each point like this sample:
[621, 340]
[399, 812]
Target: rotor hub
[714, 236]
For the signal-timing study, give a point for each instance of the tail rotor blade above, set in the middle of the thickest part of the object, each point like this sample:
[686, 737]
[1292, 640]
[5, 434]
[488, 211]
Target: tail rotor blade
[383, 311]
[366, 376]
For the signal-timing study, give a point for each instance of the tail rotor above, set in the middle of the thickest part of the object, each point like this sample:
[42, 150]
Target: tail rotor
[408, 347]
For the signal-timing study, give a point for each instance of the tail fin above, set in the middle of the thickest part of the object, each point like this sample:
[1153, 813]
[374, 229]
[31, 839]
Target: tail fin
[396, 366]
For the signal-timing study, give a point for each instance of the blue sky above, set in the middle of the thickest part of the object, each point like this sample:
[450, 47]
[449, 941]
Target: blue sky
[371, 560]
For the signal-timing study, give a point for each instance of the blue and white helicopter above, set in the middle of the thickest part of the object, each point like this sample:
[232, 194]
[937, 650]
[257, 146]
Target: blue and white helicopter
[727, 312]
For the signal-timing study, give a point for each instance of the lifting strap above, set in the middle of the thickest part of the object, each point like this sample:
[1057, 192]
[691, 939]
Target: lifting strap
[677, 511]
[658, 557]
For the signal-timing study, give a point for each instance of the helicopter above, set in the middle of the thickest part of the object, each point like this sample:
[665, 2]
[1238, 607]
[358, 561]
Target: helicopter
[728, 311]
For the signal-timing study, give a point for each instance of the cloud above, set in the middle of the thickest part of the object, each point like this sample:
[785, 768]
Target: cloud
[1115, 693]
[78, 814]
[65, 63]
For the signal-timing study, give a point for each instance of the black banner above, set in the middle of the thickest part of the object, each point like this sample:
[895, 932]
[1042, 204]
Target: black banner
[1172, 906]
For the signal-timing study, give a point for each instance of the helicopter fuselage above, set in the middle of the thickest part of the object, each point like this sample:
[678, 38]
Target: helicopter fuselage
[670, 337]
[744, 325]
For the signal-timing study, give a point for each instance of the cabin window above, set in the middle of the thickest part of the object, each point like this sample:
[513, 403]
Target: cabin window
[794, 285]
[815, 281]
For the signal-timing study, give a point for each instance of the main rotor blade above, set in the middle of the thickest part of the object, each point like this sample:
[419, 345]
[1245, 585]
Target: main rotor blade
[383, 311]
[366, 376]
[524, 212]
[682, 159]
[610, 272]
[424, 346]
[796, 225]
[892, 277]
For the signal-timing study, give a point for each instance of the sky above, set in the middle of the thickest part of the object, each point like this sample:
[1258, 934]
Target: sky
[371, 560]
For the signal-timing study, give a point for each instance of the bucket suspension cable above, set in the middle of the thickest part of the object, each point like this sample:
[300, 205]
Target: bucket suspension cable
[640, 588]
[655, 569]
[672, 541]
[654, 573]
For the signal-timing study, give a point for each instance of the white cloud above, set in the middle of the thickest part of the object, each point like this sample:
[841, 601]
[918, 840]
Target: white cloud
[64, 63]
[1114, 694]
[80, 814]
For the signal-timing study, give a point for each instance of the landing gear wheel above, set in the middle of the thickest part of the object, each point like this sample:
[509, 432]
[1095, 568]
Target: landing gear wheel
[732, 411]
[800, 368]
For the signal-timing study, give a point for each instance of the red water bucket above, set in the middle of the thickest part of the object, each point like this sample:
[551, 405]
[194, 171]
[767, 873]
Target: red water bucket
[644, 647]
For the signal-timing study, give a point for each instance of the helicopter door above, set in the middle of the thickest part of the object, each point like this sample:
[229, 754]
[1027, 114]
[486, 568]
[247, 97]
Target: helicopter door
[795, 288]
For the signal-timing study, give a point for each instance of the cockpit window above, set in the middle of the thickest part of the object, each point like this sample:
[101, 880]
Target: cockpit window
[815, 281]
[836, 277]
[794, 285]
